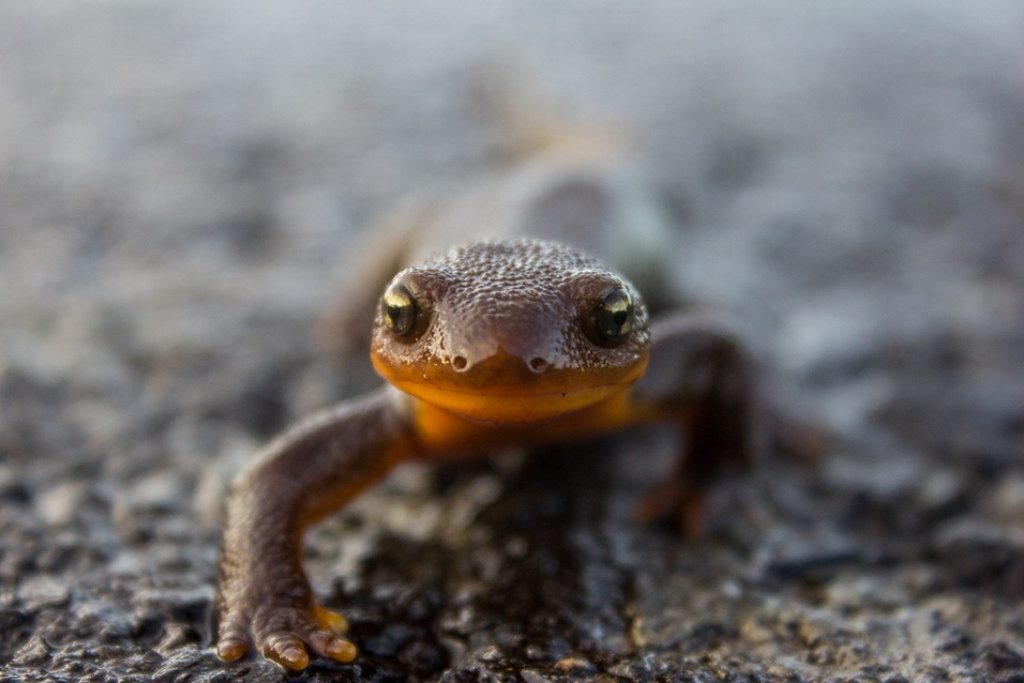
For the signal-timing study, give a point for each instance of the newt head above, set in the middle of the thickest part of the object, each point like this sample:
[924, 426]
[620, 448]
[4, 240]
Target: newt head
[511, 332]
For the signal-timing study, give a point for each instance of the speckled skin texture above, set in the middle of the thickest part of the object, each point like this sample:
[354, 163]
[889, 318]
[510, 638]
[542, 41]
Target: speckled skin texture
[524, 296]
[506, 328]
[510, 318]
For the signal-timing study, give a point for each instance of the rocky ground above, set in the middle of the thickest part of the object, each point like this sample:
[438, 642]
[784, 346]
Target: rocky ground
[180, 185]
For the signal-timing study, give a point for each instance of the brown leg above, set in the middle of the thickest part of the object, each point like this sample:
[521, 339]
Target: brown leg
[702, 378]
[264, 600]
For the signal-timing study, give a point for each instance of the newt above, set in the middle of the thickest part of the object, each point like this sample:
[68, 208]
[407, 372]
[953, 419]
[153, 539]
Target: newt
[493, 343]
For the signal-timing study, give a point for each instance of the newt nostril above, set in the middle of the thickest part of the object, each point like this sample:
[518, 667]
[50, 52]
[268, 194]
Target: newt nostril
[538, 364]
[460, 363]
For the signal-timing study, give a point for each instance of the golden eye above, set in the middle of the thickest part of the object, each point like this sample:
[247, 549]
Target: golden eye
[613, 316]
[398, 307]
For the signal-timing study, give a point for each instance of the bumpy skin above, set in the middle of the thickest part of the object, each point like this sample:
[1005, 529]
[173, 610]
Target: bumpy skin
[507, 321]
[505, 347]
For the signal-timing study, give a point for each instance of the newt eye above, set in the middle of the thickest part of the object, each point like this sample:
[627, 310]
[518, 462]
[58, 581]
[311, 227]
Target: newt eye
[399, 309]
[612, 317]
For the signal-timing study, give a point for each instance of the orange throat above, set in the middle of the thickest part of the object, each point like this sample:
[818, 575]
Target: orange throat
[512, 400]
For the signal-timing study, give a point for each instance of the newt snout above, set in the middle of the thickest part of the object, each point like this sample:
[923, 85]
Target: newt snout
[505, 340]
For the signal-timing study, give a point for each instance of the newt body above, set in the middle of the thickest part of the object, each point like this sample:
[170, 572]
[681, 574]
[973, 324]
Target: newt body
[504, 342]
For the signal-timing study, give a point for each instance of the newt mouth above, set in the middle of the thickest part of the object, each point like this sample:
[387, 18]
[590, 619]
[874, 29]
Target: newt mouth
[510, 393]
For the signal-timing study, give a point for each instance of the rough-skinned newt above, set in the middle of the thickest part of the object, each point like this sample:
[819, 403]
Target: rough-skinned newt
[490, 344]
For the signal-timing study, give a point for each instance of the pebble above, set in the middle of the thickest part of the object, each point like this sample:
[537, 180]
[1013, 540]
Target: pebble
[39, 592]
[33, 653]
[60, 504]
[574, 665]
[1006, 502]
[531, 676]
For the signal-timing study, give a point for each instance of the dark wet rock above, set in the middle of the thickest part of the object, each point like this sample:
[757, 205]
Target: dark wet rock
[1002, 659]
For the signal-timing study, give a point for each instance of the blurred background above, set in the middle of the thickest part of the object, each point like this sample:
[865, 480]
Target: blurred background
[181, 186]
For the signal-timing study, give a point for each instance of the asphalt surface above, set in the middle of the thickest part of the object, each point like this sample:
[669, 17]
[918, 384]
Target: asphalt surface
[181, 186]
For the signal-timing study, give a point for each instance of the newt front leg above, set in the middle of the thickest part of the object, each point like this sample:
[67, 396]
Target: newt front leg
[264, 599]
[700, 377]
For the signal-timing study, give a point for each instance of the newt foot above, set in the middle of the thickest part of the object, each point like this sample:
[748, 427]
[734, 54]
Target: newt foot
[285, 634]
[673, 498]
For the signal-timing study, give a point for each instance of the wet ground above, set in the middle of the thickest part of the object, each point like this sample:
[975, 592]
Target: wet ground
[180, 186]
